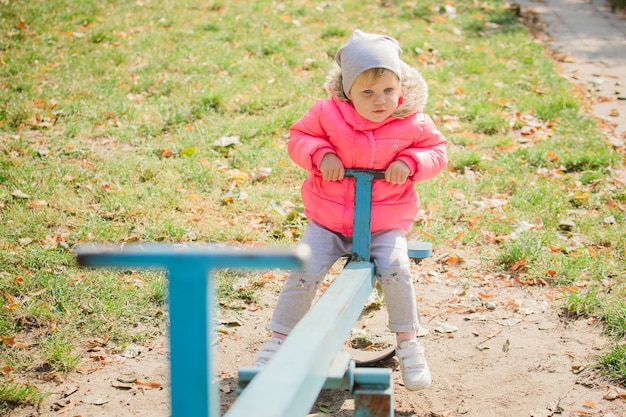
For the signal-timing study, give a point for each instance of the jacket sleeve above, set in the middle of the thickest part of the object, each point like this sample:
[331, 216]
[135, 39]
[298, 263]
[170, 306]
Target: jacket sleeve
[308, 140]
[428, 154]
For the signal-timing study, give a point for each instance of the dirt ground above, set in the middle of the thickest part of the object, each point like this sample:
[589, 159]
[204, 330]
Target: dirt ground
[495, 348]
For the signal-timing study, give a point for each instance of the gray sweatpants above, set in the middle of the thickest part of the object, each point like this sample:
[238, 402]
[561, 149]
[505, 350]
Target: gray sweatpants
[388, 251]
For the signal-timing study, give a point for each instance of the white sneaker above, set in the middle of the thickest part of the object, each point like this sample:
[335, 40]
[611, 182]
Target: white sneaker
[266, 352]
[415, 372]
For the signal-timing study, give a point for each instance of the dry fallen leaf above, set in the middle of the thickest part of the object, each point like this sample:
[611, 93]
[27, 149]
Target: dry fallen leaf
[456, 194]
[38, 204]
[10, 341]
[204, 162]
[167, 153]
[590, 403]
[519, 265]
[64, 406]
[7, 340]
[95, 400]
[9, 297]
[122, 384]
[262, 173]
[98, 342]
[19, 194]
[227, 141]
[149, 384]
[615, 393]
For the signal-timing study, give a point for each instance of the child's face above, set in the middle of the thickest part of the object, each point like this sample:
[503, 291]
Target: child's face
[376, 101]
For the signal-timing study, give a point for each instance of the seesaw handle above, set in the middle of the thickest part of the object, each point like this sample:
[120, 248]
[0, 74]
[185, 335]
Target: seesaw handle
[375, 173]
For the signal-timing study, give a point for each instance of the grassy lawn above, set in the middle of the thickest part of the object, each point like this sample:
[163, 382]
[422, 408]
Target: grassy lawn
[168, 121]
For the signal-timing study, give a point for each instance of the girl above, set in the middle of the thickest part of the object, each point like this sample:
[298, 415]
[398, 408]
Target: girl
[373, 120]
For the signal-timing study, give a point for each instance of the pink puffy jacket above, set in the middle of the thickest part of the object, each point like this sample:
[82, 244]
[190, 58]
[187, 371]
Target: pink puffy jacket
[333, 125]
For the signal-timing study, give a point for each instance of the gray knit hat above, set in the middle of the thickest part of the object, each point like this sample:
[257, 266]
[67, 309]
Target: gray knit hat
[364, 51]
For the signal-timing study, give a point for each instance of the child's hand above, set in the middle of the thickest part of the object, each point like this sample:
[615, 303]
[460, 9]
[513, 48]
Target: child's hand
[332, 167]
[397, 172]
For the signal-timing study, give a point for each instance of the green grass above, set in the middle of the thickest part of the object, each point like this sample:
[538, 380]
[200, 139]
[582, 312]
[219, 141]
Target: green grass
[614, 364]
[12, 394]
[110, 112]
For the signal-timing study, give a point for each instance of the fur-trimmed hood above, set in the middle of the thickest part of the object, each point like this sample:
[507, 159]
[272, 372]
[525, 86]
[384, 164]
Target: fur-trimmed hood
[332, 125]
[413, 84]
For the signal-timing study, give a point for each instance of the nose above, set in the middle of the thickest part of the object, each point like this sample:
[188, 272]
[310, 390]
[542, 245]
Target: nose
[379, 99]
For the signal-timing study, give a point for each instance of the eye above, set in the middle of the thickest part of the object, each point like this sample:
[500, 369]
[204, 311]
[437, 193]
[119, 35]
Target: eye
[389, 90]
[367, 92]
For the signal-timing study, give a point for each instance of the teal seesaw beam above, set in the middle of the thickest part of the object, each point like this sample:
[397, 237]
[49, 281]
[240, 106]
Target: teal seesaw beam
[290, 383]
[191, 306]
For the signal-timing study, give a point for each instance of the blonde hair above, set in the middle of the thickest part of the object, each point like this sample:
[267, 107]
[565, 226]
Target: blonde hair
[370, 76]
